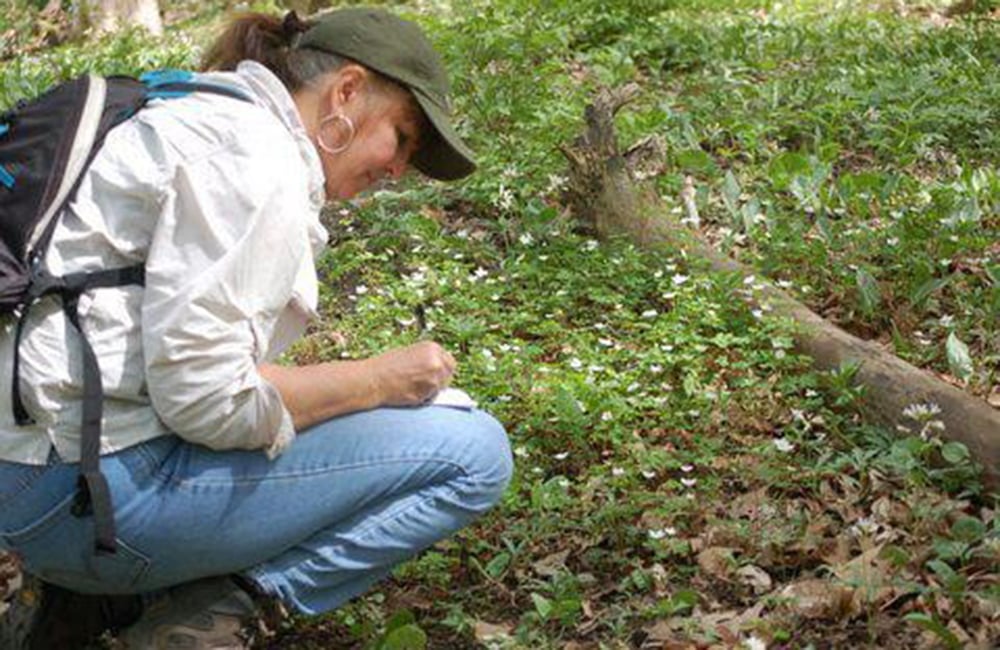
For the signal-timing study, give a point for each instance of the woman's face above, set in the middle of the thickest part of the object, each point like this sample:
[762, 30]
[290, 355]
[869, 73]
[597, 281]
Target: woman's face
[387, 131]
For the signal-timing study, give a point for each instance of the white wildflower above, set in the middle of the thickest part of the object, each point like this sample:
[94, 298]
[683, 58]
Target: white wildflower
[679, 279]
[617, 471]
[687, 469]
[649, 313]
[563, 455]
[526, 239]
[783, 445]
[689, 482]
[575, 363]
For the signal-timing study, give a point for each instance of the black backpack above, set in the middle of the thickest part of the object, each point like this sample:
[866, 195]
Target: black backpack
[45, 146]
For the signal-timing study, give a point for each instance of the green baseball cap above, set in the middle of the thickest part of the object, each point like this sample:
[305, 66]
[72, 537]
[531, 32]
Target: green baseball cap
[397, 49]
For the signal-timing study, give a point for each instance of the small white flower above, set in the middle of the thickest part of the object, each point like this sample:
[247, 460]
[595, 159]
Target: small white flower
[784, 284]
[689, 482]
[526, 239]
[504, 199]
[606, 416]
[660, 533]
[521, 451]
[634, 386]
[757, 313]
[605, 342]
[656, 369]
[687, 469]
[575, 363]
[783, 445]
[487, 353]
[563, 455]
[679, 279]
[921, 412]
[361, 289]
[755, 643]
[749, 279]
[590, 244]
[617, 471]
[480, 272]
[648, 474]
[811, 393]
[649, 313]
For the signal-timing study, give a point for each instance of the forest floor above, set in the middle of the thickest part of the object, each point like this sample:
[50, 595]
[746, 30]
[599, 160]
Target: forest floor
[684, 478]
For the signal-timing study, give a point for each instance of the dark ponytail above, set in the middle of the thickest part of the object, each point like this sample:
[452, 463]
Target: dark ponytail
[270, 41]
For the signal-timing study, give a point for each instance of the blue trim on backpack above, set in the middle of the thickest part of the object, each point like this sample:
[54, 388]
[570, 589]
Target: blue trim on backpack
[155, 78]
[6, 178]
[167, 94]
[4, 128]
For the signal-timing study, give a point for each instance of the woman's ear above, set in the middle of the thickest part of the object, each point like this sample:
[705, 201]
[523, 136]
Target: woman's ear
[348, 84]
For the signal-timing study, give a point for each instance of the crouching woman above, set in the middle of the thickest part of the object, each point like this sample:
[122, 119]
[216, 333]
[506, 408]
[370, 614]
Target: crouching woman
[235, 481]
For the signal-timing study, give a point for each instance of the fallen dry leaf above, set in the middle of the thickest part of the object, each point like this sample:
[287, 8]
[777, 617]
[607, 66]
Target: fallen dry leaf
[756, 578]
[819, 599]
[716, 561]
[485, 632]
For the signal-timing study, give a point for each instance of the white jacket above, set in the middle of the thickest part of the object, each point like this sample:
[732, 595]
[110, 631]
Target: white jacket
[220, 198]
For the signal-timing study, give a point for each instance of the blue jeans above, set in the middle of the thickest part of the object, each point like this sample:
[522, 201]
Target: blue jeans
[348, 500]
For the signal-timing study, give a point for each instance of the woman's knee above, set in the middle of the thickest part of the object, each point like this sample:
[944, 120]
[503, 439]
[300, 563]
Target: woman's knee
[489, 462]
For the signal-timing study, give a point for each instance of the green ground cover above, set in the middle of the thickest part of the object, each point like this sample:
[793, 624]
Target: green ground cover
[684, 479]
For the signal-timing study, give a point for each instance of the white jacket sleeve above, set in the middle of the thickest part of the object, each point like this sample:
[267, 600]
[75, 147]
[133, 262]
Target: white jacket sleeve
[222, 264]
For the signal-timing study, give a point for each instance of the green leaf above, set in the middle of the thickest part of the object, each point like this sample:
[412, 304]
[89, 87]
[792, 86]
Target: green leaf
[955, 452]
[868, 292]
[498, 564]
[784, 168]
[408, 637]
[542, 605]
[931, 624]
[968, 529]
[925, 290]
[959, 359]
[695, 160]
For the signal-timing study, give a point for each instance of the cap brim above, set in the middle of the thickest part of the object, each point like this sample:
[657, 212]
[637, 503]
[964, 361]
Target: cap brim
[442, 155]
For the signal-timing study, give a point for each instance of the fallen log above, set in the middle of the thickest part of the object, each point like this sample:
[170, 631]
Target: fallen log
[604, 195]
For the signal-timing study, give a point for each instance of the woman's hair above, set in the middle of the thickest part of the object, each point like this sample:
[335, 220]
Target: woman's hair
[269, 40]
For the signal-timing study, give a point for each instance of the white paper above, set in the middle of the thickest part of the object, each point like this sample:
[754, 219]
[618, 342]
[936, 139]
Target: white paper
[454, 398]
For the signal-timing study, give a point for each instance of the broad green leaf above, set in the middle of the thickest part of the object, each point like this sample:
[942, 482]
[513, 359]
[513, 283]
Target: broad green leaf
[408, 637]
[785, 167]
[868, 292]
[925, 290]
[931, 624]
[498, 564]
[542, 605]
[954, 452]
[968, 529]
[958, 357]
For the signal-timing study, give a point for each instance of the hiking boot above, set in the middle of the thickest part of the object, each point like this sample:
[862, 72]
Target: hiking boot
[20, 612]
[42, 616]
[208, 614]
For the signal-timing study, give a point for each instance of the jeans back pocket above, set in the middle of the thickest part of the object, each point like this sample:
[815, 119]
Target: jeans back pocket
[59, 548]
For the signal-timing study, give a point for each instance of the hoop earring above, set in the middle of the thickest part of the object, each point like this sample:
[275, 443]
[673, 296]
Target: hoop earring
[350, 133]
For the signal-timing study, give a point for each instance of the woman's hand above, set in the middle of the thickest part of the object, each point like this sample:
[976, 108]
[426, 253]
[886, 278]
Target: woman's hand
[411, 375]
